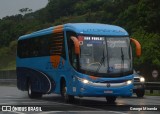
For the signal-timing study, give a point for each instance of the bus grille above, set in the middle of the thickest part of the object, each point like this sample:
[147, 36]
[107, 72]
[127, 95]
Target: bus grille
[136, 79]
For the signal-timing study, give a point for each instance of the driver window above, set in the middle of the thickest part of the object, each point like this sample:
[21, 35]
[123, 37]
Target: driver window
[71, 50]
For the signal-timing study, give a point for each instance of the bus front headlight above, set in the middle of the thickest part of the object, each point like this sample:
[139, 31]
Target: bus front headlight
[85, 81]
[142, 79]
[129, 82]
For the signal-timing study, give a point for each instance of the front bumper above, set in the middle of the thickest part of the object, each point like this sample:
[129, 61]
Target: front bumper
[138, 86]
[99, 91]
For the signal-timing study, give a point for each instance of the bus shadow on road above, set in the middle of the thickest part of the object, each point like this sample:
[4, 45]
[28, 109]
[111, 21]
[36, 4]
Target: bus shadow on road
[89, 103]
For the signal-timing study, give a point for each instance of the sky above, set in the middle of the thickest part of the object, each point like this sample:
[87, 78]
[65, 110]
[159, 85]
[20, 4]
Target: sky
[11, 7]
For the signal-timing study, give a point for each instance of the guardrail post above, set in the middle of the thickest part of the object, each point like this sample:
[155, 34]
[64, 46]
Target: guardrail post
[151, 86]
[151, 91]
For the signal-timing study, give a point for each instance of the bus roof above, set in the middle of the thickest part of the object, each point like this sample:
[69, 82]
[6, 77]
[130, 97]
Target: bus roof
[83, 28]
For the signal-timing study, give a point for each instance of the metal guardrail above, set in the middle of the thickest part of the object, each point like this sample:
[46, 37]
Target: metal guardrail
[8, 82]
[9, 74]
[10, 77]
[151, 86]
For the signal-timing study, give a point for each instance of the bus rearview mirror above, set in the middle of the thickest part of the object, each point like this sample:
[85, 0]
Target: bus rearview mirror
[76, 44]
[138, 46]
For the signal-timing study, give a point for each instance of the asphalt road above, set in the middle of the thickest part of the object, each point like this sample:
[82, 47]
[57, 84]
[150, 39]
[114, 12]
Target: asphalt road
[11, 96]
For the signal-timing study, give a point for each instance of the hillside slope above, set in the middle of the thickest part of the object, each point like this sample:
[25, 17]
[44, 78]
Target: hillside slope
[139, 17]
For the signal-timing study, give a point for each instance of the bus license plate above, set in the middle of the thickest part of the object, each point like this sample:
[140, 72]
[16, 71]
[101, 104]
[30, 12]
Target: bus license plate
[137, 86]
[108, 91]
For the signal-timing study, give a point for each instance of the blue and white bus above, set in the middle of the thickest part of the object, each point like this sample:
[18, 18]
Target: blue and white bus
[76, 59]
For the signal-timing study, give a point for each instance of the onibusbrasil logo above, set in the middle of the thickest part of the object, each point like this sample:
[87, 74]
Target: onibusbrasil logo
[21, 109]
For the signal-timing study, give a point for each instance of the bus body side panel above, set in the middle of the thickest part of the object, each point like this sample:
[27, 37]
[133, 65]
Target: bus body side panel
[36, 71]
[69, 76]
[40, 81]
[58, 73]
[40, 71]
[22, 80]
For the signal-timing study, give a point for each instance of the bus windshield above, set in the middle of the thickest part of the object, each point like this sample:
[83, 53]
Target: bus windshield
[105, 55]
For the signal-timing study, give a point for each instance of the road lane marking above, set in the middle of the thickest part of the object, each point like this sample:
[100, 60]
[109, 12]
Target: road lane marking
[7, 103]
[51, 112]
[117, 112]
[47, 112]
[17, 112]
[8, 96]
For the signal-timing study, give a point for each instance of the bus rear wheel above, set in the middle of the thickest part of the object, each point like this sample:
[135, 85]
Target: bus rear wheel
[111, 99]
[31, 93]
[67, 98]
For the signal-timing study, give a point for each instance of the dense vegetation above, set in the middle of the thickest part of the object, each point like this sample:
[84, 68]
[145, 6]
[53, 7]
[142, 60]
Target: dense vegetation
[139, 17]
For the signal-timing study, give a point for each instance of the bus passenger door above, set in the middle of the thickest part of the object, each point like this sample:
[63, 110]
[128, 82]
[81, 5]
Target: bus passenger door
[73, 57]
[73, 60]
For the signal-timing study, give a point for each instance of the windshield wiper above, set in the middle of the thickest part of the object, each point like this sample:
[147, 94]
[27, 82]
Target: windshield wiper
[101, 62]
[122, 63]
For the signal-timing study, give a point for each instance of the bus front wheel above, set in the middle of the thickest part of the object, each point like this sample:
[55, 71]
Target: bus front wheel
[111, 99]
[31, 93]
[67, 98]
[140, 93]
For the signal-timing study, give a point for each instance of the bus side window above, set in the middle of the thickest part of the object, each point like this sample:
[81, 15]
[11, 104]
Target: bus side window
[71, 51]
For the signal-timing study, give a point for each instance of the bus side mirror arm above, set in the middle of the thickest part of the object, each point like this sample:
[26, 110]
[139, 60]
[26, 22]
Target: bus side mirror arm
[76, 44]
[138, 47]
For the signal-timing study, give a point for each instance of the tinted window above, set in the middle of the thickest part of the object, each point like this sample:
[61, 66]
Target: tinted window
[46, 45]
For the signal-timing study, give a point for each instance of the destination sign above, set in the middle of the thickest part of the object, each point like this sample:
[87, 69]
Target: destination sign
[93, 38]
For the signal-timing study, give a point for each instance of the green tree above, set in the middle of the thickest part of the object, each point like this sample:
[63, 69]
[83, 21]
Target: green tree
[25, 10]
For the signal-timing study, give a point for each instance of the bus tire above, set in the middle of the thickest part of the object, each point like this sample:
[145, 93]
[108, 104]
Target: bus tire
[140, 93]
[67, 98]
[31, 93]
[111, 99]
